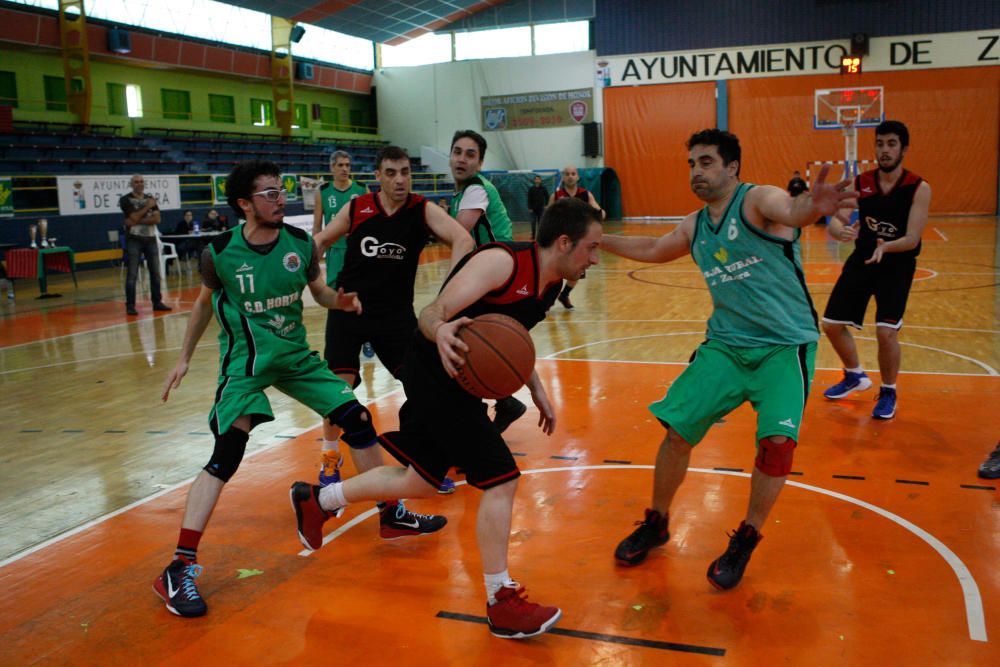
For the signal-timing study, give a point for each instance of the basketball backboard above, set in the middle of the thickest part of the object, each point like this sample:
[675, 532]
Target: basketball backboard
[839, 108]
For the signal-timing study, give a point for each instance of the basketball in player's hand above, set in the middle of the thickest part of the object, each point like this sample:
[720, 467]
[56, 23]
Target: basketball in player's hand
[500, 359]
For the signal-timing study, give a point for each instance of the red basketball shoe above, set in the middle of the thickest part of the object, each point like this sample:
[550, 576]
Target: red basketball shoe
[513, 617]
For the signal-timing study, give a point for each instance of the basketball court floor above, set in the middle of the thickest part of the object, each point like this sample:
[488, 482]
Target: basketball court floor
[884, 547]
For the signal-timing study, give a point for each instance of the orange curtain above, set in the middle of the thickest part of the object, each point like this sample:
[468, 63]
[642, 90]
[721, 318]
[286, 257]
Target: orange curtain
[952, 115]
[644, 134]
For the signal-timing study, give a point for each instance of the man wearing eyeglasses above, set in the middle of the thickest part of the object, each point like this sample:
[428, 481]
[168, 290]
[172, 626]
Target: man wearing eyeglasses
[386, 231]
[252, 280]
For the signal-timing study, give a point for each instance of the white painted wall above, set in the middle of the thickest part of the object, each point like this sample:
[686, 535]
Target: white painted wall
[423, 106]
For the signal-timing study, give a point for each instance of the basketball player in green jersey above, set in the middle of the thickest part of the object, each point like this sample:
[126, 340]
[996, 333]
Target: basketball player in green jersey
[330, 198]
[252, 280]
[478, 207]
[761, 340]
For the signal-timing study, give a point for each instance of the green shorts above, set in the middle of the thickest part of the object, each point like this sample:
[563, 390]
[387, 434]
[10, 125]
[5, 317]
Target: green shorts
[307, 380]
[774, 378]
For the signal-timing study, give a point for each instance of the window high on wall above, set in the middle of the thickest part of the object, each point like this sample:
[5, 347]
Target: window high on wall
[219, 22]
[500, 43]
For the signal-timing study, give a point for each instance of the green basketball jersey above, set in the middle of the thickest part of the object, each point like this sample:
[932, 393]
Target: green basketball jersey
[259, 307]
[334, 200]
[758, 288]
[494, 223]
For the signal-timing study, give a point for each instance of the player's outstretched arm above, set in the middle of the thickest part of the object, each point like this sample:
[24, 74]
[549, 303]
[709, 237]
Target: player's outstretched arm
[337, 228]
[653, 250]
[775, 205]
[450, 232]
[485, 272]
[201, 314]
[334, 299]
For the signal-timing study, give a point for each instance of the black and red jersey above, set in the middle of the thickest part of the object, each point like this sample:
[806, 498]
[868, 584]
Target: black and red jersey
[581, 194]
[383, 252]
[521, 297]
[883, 215]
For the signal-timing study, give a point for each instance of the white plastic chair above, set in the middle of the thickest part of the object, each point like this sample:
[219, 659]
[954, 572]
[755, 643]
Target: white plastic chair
[166, 251]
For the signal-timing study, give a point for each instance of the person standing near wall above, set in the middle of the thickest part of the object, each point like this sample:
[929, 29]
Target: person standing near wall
[142, 215]
[570, 187]
[538, 196]
[893, 204]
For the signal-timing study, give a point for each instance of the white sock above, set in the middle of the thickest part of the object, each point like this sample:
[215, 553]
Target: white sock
[494, 582]
[331, 445]
[889, 386]
[331, 497]
[859, 369]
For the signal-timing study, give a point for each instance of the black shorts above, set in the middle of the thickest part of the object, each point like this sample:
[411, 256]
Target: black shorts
[441, 425]
[889, 282]
[347, 332]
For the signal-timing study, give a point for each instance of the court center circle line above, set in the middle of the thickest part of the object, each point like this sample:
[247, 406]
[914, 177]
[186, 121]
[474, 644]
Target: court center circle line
[974, 614]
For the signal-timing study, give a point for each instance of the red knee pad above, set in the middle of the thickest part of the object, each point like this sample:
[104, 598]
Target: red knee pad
[775, 460]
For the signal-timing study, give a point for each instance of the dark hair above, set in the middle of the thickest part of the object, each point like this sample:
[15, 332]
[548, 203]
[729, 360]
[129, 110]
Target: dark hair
[894, 127]
[569, 216]
[390, 153]
[187, 210]
[726, 142]
[475, 136]
[240, 182]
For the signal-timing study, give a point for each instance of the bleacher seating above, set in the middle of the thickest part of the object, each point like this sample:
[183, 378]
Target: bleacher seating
[41, 150]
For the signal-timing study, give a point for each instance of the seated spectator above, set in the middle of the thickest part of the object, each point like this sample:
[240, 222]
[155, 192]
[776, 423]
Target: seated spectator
[188, 247]
[214, 222]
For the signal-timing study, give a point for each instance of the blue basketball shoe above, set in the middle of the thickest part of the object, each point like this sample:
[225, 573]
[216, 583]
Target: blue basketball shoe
[852, 382]
[885, 408]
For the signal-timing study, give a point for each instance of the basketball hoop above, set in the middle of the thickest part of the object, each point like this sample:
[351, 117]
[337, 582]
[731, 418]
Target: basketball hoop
[847, 109]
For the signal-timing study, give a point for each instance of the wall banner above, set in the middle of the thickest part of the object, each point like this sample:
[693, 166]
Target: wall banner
[886, 54]
[522, 111]
[87, 195]
[6, 197]
[219, 189]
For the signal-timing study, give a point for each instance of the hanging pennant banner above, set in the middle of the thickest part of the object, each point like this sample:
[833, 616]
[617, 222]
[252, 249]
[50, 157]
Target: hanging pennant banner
[522, 111]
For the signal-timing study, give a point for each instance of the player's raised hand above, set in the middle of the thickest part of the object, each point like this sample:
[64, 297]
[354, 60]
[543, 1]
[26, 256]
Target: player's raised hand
[174, 379]
[828, 198]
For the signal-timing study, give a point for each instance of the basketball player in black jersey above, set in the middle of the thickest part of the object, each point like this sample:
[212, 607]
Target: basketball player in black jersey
[892, 211]
[441, 425]
[386, 232]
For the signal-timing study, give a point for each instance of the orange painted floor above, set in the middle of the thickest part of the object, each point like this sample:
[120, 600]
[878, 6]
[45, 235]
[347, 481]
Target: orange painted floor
[882, 550]
[834, 582]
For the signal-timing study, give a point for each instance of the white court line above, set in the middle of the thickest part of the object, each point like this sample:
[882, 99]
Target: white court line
[280, 440]
[974, 613]
[986, 367]
[940, 233]
[989, 369]
[705, 319]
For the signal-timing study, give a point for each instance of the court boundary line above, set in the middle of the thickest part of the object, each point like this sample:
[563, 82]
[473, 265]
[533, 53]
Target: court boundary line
[974, 612]
[279, 440]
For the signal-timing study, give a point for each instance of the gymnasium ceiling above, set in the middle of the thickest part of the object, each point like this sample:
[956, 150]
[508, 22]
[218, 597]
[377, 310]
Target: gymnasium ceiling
[385, 21]
[394, 22]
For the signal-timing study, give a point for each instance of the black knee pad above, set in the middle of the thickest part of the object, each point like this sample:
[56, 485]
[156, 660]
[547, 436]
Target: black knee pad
[229, 450]
[356, 422]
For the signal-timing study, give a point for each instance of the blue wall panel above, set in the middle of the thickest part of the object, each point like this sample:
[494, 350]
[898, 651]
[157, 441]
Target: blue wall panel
[640, 26]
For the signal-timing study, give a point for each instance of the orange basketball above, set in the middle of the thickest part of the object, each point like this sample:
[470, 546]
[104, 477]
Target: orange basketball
[500, 359]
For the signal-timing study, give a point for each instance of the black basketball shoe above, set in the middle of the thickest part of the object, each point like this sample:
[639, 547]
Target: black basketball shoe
[177, 588]
[727, 570]
[508, 410]
[652, 532]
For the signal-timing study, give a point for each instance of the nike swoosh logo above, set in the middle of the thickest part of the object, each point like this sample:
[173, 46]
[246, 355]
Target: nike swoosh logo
[171, 591]
[415, 524]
